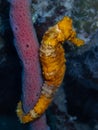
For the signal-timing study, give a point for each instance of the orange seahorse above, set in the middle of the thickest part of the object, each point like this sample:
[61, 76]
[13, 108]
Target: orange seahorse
[53, 61]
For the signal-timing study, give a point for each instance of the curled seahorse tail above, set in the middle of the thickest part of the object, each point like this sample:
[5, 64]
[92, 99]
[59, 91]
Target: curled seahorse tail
[24, 118]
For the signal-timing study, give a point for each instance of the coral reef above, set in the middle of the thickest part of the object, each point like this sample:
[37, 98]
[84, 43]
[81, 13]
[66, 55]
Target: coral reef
[81, 99]
[82, 82]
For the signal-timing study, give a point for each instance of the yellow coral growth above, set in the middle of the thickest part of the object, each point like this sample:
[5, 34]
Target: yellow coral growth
[53, 60]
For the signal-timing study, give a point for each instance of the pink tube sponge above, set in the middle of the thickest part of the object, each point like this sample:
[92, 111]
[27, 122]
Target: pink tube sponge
[27, 47]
